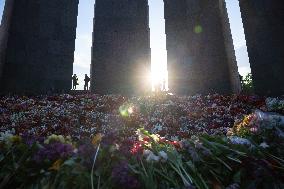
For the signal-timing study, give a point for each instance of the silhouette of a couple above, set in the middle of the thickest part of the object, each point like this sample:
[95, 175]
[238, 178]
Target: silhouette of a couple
[75, 82]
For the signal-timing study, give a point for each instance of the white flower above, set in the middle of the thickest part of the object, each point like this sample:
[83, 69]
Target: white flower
[150, 156]
[163, 155]
[141, 136]
[75, 150]
[239, 140]
[214, 105]
[264, 145]
[147, 152]
[17, 117]
[5, 136]
[157, 127]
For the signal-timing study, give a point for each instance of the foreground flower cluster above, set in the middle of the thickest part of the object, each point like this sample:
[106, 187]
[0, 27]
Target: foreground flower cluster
[91, 141]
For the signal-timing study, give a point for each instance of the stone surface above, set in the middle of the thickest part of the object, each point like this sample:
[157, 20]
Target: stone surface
[37, 45]
[121, 47]
[201, 57]
[264, 29]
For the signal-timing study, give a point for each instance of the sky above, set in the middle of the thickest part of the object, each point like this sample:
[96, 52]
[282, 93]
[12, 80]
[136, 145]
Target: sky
[82, 56]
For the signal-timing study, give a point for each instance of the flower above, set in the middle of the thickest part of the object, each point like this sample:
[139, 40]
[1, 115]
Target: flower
[140, 135]
[54, 151]
[56, 165]
[163, 155]
[5, 136]
[147, 152]
[15, 139]
[9, 138]
[239, 140]
[152, 158]
[233, 186]
[54, 138]
[264, 145]
[97, 139]
[82, 116]
[155, 137]
[137, 148]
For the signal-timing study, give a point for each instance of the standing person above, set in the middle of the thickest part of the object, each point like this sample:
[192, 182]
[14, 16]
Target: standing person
[74, 81]
[164, 87]
[87, 80]
[242, 81]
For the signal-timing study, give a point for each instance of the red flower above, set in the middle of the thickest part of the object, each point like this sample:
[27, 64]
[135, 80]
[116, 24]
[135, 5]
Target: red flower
[146, 139]
[176, 144]
[137, 148]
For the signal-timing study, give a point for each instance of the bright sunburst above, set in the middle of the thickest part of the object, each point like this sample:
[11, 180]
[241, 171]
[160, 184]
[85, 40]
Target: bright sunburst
[159, 73]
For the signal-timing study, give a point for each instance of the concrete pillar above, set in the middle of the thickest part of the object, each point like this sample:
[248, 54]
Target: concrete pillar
[121, 47]
[201, 56]
[264, 29]
[37, 45]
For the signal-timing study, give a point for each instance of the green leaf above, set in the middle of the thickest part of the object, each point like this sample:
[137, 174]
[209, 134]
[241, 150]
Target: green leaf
[165, 176]
[234, 159]
[197, 177]
[237, 177]
[215, 175]
[224, 163]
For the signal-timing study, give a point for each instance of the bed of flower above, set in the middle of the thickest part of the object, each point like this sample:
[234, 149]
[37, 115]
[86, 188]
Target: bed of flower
[91, 141]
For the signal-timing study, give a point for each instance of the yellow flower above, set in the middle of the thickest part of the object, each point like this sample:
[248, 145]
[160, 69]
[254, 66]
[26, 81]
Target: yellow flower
[97, 139]
[156, 138]
[57, 138]
[15, 139]
[56, 165]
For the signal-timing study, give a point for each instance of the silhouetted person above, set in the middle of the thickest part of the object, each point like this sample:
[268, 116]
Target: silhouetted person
[74, 81]
[87, 80]
[241, 77]
[164, 87]
[242, 81]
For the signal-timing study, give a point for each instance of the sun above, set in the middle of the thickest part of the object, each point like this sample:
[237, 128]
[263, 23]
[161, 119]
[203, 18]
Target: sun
[159, 78]
[159, 72]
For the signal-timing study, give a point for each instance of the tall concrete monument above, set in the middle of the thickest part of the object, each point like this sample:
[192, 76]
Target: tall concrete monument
[121, 47]
[201, 56]
[264, 30]
[37, 43]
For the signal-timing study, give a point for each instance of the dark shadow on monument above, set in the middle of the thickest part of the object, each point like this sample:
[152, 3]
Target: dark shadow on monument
[121, 47]
[201, 57]
[264, 28]
[37, 46]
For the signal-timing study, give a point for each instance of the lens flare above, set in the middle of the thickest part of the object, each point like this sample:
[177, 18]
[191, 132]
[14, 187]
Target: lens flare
[130, 110]
[198, 29]
[126, 110]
